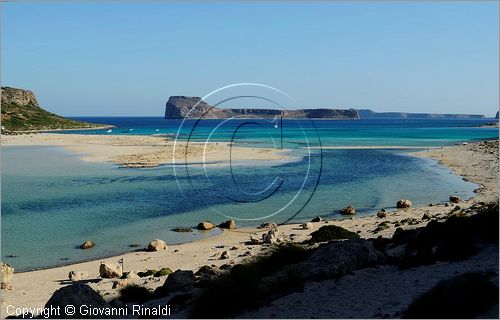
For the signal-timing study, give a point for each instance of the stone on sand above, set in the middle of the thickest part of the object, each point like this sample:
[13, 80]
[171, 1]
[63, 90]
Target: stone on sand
[349, 210]
[77, 275]
[403, 203]
[110, 270]
[205, 225]
[7, 273]
[157, 245]
[229, 224]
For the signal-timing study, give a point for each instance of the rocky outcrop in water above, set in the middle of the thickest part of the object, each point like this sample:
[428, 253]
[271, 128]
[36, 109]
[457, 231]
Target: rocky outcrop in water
[179, 107]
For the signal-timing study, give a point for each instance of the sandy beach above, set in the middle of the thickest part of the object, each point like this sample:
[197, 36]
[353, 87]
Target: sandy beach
[145, 151]
[477, 162]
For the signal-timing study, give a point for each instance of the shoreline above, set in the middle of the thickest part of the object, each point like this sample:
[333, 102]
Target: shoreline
[34, 287]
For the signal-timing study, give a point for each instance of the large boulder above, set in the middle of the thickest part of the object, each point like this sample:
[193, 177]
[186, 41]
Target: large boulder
[229, 224]
[403, 203]
[76, 295]
[180, 280]
[349, 210]
[340, 257]
[205, 225]
[7, 273]
[157, 245]
[317, 219]
[110, 270]
[87, 244]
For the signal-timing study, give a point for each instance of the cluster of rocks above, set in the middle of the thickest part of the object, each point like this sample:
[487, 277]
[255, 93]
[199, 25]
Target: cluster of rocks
[7, 273]
[207, 225]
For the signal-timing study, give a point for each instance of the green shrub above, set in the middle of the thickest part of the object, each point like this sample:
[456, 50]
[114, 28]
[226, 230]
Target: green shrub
[327, 233]
[134, 292]
[163, 272]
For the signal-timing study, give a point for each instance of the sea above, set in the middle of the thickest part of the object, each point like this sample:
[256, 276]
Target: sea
[52, 201]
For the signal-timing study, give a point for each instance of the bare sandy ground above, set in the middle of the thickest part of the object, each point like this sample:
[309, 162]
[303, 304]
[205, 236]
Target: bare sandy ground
[145, 151]
[478, 164]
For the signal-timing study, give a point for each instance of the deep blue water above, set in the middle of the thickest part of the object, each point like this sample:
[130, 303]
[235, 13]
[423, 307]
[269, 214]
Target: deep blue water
[52, 202]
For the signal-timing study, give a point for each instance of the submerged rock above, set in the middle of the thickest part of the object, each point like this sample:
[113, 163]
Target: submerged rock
[403, 203]
[87, 244]
[182, 229]
[349, 210]
[157, 245]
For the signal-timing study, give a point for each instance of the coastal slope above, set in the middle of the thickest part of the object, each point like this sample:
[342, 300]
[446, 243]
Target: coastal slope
[21, 112]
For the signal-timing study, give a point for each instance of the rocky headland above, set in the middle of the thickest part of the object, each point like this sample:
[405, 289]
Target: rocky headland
[21, 112]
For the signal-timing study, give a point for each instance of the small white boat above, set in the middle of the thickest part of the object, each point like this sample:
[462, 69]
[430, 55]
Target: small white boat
[109, 130]
[276, 126]
[157, 130]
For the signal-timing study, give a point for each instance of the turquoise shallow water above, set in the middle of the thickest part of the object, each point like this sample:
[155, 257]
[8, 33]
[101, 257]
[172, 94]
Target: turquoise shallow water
[52, 202]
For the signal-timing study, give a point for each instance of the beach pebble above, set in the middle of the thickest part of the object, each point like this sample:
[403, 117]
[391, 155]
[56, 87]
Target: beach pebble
[317, 219]
[307, 225]
[87, 245]
[254, 239]
[120, 284]
[205, 225]
[224, 255]
[157, 245]
[267, 225]
[77, 275]
[348, 210]
[382, 213]
[455, 199]
[403, 203]
[229, 224]
[110, 270]
[426, 216]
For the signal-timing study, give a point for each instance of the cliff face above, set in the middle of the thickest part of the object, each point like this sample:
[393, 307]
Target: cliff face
[21, 112]
[178, 107]
[367, 113]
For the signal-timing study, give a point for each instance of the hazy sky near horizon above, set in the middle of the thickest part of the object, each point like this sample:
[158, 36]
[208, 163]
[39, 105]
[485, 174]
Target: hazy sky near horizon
[127, 58]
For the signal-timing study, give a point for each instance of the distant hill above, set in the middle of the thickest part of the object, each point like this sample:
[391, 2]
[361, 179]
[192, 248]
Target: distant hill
[21, 112]
[367, 113]
[178, 107]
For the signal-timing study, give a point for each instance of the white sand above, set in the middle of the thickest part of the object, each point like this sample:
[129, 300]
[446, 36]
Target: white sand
[32, 289]
[145, 151]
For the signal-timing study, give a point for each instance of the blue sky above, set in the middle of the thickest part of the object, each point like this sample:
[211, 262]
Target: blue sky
[127, 58]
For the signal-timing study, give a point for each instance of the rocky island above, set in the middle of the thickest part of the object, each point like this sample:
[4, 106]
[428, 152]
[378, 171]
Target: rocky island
[21, 112]
[179, 107]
